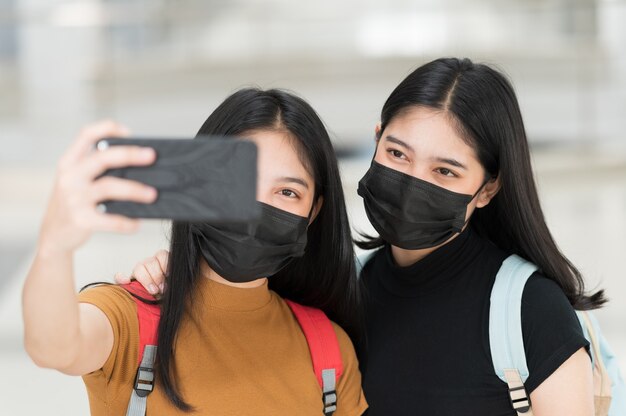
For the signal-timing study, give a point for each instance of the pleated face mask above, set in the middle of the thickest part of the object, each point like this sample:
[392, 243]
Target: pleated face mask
[411, 213]
[245, 252]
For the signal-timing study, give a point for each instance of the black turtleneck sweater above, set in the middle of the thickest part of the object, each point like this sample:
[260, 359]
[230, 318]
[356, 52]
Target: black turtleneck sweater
[427, 345]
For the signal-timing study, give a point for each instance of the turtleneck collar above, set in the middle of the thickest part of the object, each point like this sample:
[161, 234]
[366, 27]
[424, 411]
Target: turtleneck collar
[214, 295]
[437, 269]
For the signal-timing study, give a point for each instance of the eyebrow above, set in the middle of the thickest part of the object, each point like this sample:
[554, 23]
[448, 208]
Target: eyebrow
[449, 161]
[399, 142]
[294, 180]
[452, 162]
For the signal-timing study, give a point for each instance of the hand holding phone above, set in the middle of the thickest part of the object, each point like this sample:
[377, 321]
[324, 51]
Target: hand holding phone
[71, 215]
[209, 179]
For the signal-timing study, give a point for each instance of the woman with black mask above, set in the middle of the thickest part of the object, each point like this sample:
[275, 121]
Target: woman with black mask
[227, 342]
[451, 192]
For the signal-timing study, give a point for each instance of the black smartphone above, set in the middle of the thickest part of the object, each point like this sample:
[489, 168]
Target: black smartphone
[208, 179]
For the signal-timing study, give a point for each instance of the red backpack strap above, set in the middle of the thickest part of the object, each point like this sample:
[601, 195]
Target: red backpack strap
[148, 316]
[324, 349]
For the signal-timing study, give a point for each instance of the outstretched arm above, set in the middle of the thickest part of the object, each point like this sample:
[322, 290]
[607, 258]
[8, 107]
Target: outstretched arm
[59, 332]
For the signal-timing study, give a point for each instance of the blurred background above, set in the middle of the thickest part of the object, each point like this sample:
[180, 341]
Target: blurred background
[161, 66]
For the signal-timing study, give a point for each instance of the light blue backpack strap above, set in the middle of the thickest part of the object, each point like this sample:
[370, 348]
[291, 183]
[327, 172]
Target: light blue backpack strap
[505, 317]
[618, 387]
[610, 362]
[361, 259]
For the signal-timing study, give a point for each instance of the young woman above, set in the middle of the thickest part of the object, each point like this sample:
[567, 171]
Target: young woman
[451, 193]
[228, 344]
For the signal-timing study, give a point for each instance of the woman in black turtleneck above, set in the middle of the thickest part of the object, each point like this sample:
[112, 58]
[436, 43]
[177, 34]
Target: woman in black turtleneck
[451, 193]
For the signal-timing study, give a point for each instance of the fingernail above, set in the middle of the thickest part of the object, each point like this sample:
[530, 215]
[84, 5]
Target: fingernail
[147, 154]
[162, 287]
[151, 193]
[152, 288]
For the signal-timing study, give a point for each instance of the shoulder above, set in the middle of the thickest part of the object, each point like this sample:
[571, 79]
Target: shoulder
[349, 358]
[312, 321]
[105, 293]
[345, 343]
[550, 327]
[351, 400]
[540, 289]
[113, 300]
[343, 340]
[545, 303]
[545, 307]
[121, 311]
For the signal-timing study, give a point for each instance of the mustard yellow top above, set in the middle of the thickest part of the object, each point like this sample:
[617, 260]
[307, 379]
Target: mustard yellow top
[238, 352]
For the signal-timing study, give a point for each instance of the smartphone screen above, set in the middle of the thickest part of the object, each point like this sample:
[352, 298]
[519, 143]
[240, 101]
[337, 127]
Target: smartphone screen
[206, 179]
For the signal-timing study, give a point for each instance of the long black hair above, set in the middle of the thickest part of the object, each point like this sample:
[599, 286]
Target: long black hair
[324, 277]
[482, 106]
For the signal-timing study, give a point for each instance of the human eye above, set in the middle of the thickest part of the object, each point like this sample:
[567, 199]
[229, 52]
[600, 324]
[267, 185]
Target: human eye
[289, 193]
[446, 172]
[395, 153]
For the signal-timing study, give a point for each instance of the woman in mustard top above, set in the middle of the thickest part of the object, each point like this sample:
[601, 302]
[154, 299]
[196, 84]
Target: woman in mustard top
[227, 342]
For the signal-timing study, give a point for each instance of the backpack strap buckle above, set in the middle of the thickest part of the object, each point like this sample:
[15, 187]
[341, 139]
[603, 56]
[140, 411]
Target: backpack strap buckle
[329, 394]
[517, 392]
[330, 402]
[519, 399]
[144, 381]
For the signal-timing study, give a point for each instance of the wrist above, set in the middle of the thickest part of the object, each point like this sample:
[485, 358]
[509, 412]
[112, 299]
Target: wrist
[52, 250]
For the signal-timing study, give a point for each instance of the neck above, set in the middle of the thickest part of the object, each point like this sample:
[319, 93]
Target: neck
[405, 258]
[210, 274]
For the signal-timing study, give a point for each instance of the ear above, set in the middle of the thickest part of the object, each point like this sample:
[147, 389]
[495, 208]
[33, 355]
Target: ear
[316, 208]
[378, 131]
[490, 190]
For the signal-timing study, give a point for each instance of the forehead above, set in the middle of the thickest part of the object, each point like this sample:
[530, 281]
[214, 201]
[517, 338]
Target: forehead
[279, 153]
[429, 130]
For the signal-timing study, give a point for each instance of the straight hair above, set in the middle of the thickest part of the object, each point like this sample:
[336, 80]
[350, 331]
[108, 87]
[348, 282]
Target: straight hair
[324, 277]
[482, 106]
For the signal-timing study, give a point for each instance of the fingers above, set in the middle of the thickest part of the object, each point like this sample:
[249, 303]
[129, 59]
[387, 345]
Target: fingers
[116, 157]
[142, 274]
[121, 278]
[89, 135]
[110, 188]
[162, 257]
[150, 275]
[154, 268]
[71, 216]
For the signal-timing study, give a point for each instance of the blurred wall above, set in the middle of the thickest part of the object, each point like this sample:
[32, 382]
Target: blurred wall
[64, 63]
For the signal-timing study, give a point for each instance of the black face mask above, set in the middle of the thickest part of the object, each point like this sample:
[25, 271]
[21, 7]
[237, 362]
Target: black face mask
[246, 252]
[411, 213]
